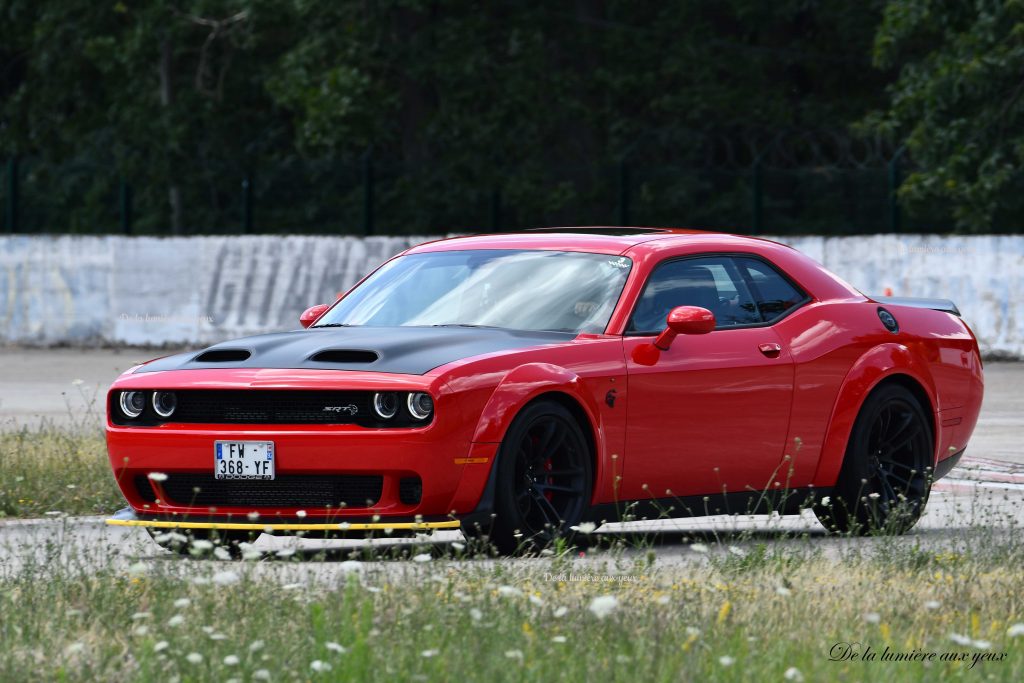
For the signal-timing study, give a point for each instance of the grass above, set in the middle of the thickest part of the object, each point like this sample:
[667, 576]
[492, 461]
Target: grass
[45, 469]
[69, 617]
[78, 606]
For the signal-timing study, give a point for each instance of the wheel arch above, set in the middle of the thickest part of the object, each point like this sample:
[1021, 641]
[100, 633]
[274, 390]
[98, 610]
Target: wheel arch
[882, 365]
[520, 388]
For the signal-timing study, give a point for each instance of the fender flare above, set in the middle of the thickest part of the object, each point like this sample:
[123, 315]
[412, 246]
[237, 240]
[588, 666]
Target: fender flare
[517, 389]
[873, 367]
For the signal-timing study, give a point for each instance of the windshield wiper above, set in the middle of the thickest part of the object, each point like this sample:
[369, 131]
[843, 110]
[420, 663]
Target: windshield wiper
[483, 327]
[334, 325]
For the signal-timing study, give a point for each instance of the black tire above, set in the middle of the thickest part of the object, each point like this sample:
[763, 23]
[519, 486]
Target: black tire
[885, 480]
[544, 479]
[227, 539]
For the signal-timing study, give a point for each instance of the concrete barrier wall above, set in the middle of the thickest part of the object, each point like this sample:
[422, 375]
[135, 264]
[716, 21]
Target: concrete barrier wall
[198, 290]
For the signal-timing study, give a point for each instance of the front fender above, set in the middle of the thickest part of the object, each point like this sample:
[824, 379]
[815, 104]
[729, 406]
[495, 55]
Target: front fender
[515, 390]
[877, 364]
[524, 384]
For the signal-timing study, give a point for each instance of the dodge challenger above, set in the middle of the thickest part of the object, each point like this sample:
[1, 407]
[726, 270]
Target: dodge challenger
[522, 386]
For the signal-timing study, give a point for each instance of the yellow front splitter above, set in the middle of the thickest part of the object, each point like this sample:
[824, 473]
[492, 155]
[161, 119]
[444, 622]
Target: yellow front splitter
[274, 526]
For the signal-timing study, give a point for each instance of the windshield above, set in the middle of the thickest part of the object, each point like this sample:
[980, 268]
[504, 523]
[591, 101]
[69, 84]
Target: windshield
[519, 290]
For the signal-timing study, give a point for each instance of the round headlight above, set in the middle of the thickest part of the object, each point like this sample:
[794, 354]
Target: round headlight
[385, 404]
[164, 403]
[133, 403]
[420, 405]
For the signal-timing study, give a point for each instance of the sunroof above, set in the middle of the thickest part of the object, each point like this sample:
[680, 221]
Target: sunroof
[602, 231]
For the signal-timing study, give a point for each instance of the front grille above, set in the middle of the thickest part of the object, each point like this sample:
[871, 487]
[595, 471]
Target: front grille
[144, 488]
[269, 406]
[288, 491]
[410, 490]
[272, 407]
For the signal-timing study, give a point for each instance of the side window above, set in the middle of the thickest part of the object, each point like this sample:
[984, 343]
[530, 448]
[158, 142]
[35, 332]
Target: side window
[711, 282]
[774, 294]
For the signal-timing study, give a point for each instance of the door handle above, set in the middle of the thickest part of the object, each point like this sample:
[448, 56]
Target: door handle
[770, 349]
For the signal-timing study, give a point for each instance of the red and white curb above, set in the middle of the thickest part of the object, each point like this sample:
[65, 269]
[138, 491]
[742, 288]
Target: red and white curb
[972, 474]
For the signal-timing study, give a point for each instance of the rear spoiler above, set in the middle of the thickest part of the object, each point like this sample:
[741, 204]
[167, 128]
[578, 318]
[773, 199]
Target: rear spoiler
[944, 305]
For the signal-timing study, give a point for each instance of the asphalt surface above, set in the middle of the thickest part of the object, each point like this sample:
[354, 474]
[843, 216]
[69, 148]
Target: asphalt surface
[64, 387]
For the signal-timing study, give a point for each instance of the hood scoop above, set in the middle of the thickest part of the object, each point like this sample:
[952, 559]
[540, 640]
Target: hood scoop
[222, 356]
[397, 350]
[344, 356]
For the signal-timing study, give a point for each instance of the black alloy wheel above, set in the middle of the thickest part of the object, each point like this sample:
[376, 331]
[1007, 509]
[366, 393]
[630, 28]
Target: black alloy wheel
[544, 478]
[886, 475]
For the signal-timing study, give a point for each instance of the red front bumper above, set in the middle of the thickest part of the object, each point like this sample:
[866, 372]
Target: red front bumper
[428, 454]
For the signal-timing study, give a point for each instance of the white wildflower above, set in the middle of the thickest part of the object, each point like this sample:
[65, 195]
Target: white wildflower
[559, 639]
[336, 647]
[157, 476]
[74, 647]
[514, 654]
[509, 591]
[161, 646]
[476, 614]
[422, 557]
[793, 674]
[1015, 631]
[430, 653]
[194, 658]
[726, 660]
[202, 545]
[318, 666]
[231, 660]
[783, 591]
[225, 578]
[261, 675]
[872, 617]
[603, 605]
[698, 547]
[738, 552]
[176, 620]
[826, 501]
[960, 639]
[585, 528]
[256, 645]
[561, 611]
[182, 603]
[140, 630]
[138, 616]
[932, 604]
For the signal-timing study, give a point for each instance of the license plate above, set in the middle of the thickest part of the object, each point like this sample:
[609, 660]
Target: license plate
[243, 459]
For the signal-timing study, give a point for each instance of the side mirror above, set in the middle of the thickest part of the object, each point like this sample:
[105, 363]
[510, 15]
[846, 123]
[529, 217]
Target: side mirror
[690, 320]
[312, 313]
[680, 320]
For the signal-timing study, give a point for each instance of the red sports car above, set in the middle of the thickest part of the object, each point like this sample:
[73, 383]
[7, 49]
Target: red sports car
[520, 385]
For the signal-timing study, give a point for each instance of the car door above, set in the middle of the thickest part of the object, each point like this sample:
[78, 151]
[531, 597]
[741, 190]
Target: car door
[711, 415]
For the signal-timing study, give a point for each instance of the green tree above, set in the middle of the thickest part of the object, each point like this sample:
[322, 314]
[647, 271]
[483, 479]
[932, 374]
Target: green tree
[957, 103]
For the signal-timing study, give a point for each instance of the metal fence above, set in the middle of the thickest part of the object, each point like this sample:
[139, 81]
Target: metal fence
[778, 190]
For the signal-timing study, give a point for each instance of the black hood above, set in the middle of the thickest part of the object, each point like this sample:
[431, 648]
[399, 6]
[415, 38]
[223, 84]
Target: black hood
[403, 350]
